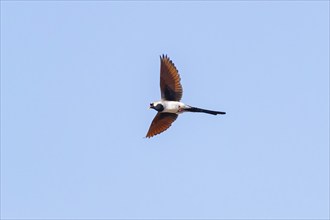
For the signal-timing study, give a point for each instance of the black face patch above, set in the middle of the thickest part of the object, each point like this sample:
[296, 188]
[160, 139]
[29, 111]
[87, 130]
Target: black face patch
[159, 107]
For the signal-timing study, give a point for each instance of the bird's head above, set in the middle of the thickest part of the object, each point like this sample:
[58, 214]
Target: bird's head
[157, 106]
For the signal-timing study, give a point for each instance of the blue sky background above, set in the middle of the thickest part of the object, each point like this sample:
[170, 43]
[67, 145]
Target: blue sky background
[76, 81]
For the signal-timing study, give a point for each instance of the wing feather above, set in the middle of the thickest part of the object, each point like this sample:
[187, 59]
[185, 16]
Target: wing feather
[161, 123]
[170, 86]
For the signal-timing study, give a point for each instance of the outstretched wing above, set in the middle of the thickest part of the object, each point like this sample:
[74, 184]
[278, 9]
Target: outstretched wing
[161, 122]
[170, 86]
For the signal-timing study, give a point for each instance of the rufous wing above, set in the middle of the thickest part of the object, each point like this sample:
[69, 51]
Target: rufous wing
[160, 123]
[170, 86]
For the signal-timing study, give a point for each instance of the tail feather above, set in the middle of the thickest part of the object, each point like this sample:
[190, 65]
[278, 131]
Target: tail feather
[194, 109]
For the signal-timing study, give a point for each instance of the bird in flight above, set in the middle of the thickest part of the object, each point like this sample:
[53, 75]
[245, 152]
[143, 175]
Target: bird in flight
[169, 107]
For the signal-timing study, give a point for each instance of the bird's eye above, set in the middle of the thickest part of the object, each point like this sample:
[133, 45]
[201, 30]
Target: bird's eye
[151, 104]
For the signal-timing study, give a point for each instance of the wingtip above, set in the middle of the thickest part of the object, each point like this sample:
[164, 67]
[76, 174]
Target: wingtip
[148, 136]
[163, 56]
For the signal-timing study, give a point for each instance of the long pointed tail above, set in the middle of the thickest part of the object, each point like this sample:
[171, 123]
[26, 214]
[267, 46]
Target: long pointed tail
[194, 109]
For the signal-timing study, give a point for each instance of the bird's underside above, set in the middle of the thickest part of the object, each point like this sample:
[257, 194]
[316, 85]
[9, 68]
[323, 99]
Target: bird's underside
[170, 106]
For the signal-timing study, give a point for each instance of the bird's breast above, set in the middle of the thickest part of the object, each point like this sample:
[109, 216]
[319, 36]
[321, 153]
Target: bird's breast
[173, 107]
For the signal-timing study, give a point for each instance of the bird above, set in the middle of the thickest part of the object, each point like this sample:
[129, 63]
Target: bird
[170, 105]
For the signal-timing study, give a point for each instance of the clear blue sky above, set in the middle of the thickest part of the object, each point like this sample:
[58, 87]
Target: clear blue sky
[77, 79]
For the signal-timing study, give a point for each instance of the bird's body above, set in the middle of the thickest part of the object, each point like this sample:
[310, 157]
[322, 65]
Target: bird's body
[179, 107]
[170, 106]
